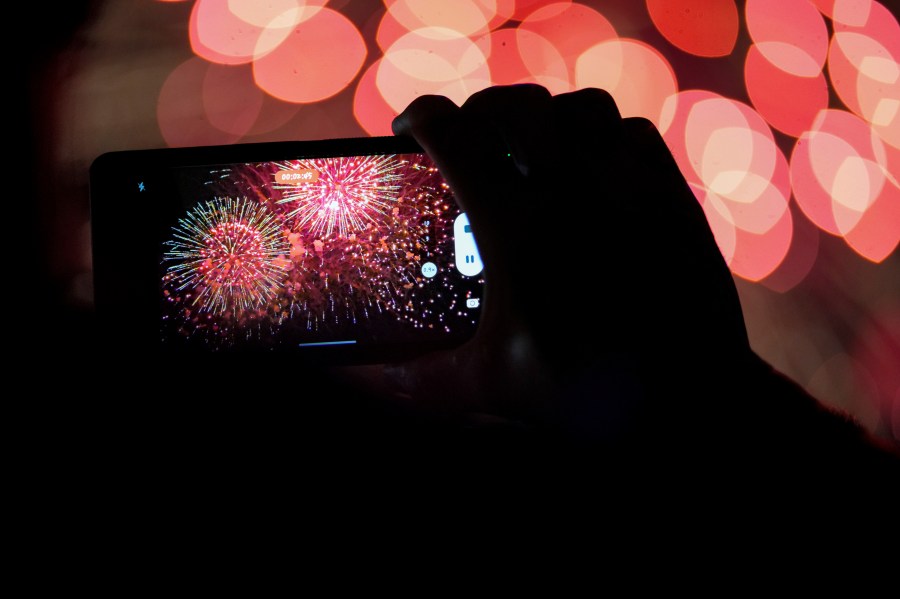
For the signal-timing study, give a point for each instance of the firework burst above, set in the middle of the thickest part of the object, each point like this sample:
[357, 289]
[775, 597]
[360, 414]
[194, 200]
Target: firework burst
[339, 196]
[276, 267]
[226, 257]
[374, 270]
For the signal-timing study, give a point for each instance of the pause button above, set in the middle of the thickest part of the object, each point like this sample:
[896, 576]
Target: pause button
[468, 261]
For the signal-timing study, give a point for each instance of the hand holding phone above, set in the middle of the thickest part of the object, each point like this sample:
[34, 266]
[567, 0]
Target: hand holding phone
[347, 249]
[607, 289]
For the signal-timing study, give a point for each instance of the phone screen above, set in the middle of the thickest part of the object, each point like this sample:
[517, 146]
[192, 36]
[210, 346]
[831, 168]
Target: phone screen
[357, 253]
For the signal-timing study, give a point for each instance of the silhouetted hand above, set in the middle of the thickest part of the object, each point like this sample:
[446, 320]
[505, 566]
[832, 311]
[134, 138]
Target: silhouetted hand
[605, 288]
[609, 316]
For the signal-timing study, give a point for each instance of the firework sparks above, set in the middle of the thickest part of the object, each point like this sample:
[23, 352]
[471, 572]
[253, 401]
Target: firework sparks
[373, 269]
[343, 195]
[227, 257]
[276, 267]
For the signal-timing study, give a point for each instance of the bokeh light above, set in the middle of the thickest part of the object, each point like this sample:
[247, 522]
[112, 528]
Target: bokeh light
[372, 113]
[467, 17]
[841, 186]
[275, 13]
[218, 35]
[181, 111]
[801, 255]
[320, 58]
[888, 156]
[701, 27]
[432, 60]
[720, 220]
[877, 233]
[817, 80]
[524, 8]
[273, 115]
[305, 52]
[571, 28]
[728, 153]
[864, 65]
[791, 34]
[521, 56]
[768, 86]
[503, 10]
[389, 31]
[231, 100]
[872, 19]
[847, 12]
[636, 74]
[758, 256]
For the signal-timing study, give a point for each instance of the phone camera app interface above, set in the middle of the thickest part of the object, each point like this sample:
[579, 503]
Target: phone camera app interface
[336, 250]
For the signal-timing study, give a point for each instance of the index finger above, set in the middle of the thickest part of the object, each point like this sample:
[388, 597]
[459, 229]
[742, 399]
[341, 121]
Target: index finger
[460, 146]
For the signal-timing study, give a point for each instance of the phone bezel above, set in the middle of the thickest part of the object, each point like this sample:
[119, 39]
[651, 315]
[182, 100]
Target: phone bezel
[126, 298]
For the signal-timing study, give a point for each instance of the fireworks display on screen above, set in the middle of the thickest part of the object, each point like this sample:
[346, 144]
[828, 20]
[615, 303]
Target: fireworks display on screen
[224, 257]
[345, 196]
[315, 247]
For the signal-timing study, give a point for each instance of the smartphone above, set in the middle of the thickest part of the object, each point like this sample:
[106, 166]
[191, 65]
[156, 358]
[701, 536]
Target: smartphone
[347, 250]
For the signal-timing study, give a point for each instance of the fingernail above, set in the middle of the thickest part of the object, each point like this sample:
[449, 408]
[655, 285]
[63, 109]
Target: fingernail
[400, 124]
